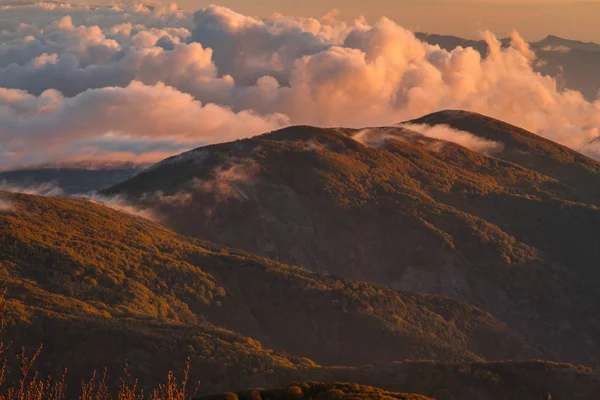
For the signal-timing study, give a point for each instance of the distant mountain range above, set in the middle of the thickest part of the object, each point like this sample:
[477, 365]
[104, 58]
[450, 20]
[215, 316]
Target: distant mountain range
[68, 179]
[555, 41]
[574, 64]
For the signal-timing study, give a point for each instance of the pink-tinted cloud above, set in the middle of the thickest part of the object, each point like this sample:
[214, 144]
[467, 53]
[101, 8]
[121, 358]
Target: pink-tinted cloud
[140, 84]
[135, 121]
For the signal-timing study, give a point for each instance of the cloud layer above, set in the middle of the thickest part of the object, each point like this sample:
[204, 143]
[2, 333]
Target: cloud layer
[140, 84]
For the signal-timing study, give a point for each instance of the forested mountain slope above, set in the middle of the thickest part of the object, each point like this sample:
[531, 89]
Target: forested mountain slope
[85, 279]
[514, 231]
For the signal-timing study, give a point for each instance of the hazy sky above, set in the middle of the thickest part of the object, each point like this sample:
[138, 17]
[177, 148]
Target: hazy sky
[533, 19]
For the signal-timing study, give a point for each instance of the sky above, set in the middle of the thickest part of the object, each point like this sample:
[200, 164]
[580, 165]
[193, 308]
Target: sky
[534, 19]
[138, 84]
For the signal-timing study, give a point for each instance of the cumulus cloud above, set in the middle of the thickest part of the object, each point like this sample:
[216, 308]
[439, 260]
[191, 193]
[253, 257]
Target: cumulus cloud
[140, 83]
[74, 59]
[25, 17]
[248, 48]
[130, 123]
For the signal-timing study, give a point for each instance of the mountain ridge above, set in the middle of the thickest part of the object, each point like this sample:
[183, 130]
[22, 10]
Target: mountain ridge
[419, 215]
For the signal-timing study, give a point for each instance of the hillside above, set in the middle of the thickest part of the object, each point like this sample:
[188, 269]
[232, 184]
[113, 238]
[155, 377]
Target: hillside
[413, 213]
[570, 196]
[79, 275]
[317, 390]
[577, 173]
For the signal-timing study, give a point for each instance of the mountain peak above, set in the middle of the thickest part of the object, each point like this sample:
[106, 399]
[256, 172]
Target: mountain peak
[553, 37]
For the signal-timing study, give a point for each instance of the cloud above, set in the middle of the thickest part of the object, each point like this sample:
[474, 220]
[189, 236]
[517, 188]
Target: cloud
[557, 49]
[417, 133]
[140, 84]
[248, 48]
[134, 122]
[231, 181]
[52, 190]
[466, 139]
[383, 74]
[44, 189]
[120, 204]
[84, 58]
[24, 16]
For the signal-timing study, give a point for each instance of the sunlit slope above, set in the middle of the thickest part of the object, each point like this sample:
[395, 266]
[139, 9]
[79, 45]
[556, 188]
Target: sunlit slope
[85, 279]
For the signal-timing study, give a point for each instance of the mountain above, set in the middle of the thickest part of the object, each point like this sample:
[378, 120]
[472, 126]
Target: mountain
[102, 288]
[84, 279]
[515, 234]
[555, 41]
[449, 42]
[575, 175]
[573, 68]
[572, 63]
[550, 42]
[70, 179]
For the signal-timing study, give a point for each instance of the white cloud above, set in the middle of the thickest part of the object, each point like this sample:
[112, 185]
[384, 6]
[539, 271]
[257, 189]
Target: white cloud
[248, 48]
[158, 119]
[416, 133]
[120, 204]
[140, 84]
[466, 139]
